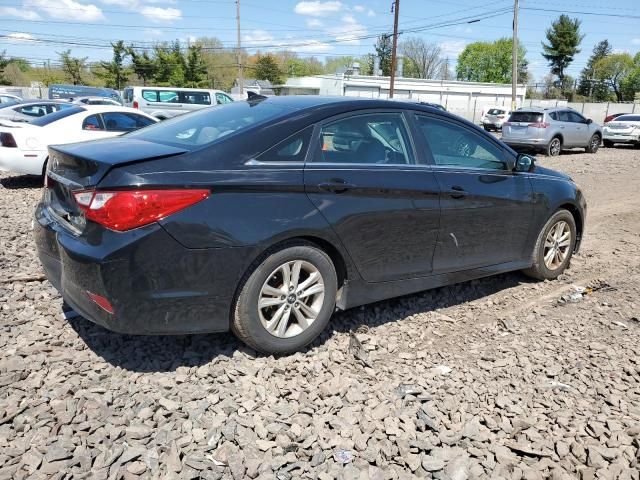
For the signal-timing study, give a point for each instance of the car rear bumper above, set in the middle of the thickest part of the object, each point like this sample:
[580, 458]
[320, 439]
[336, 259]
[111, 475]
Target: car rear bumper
[154, 284]
[526, 142]
[621, 138]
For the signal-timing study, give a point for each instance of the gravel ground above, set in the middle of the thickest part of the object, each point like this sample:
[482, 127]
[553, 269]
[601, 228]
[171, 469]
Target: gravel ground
[500, 378]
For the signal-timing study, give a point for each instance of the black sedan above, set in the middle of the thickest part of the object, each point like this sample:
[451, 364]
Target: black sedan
[265, 216]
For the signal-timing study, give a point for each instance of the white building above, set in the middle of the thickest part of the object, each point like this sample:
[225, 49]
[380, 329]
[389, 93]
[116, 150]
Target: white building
[466, 99]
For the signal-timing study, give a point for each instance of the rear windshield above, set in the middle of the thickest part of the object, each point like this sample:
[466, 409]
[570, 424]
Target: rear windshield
[52, 117]
[627, 118]
[529, 117]
[208, 125]
[496, 111]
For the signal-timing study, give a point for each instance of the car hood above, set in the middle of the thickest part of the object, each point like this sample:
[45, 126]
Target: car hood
[539, 170]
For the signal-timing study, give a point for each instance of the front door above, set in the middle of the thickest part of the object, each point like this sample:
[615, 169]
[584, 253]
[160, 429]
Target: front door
[364, 179]
[486, 207]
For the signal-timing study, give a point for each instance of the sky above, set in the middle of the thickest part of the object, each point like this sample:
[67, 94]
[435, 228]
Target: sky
[37, 29]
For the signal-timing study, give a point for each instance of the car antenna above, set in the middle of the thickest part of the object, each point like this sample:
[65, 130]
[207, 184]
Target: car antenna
[253, 96]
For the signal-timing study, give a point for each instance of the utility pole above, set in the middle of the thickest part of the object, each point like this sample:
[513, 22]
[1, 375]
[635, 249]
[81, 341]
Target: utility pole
[239, 52]
[514, 57]
[396, 9]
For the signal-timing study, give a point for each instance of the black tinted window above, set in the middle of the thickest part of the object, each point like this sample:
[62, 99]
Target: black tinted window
[627, 118]
[496, 111]
[576, 117]
[196, 98]
[65, 112]
[92, 123]
[124, 122]
[379, 138]
[563, 116]
[292, 149]
[528, 117]
[553, 115]
[452, 144]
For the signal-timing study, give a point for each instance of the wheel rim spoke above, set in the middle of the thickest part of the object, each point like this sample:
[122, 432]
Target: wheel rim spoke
[270, 302]
[302, 320]
[295, 274]
[273, 324]
[283, 323]
[311, 313]
[548, 256]
[286, 275]
[317, 288]
[313, 278]
[272, 291]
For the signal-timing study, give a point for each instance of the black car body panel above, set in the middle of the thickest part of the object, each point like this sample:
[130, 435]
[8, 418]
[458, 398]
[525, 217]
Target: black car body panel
[390, 230]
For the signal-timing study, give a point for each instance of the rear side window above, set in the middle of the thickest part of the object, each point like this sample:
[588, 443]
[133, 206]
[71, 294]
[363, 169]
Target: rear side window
[528, 117]
[150, 95]
[92, 122]
[454, 145]
[124, 122]
[196, 98]
[376, 138]
[553, 115]
[292, 149]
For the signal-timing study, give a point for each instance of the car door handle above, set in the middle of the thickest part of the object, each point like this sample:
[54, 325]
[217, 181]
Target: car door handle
[457, 192]
[336, 186]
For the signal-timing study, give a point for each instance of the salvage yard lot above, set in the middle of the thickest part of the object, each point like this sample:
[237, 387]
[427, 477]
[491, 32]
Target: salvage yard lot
[495, 378]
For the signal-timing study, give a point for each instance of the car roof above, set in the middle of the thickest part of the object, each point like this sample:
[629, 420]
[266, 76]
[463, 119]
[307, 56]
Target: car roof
[180, 89]
[111, 108]
[44, 101]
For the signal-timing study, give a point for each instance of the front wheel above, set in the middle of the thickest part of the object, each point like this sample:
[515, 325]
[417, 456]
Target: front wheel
[287, 300]
[554, 247]
[554, 148]
[594, 144]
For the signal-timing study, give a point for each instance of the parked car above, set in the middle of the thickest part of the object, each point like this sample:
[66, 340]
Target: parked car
[608, 118]
[23, 146]
[66, 92]
[27, 111]
[265, 216]
[622, 129]
[8, 99]
[95, 101]
[495, 118]
[551, 130]
[164, 102]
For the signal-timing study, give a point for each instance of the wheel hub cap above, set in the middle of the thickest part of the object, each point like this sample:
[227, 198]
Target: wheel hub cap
[557, 245]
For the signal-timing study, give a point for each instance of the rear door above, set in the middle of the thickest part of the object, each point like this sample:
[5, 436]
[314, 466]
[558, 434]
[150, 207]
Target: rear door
[364, 179]
[486, 207]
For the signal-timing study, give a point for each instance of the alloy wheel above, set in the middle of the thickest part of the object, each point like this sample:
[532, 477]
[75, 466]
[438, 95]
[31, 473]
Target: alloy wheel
[595, 143]
[291, 298]
[554, 148]
[557, 245]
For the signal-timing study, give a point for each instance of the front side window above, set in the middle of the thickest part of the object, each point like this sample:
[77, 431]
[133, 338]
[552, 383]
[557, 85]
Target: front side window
[222, 98]
[92, 123]
[375, 138]
[120, 122]
[576, 117]
[454, 145]
[563, 116]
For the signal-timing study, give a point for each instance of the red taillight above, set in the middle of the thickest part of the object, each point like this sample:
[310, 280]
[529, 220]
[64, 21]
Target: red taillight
[540, 125]
[7, 140]
[127, 209]
[135, 104]
[102, 302]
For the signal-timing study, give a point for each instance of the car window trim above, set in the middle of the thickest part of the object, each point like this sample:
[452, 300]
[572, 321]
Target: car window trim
[315, 152]
[427, 148]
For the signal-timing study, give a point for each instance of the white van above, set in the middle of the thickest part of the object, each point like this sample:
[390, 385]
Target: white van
[167, 102]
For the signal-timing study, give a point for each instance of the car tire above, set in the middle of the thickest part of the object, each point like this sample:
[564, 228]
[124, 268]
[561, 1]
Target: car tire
[264, 328]
[487, 129]
[552, 253]
[594, 143]
[607, 143]
[554, 148]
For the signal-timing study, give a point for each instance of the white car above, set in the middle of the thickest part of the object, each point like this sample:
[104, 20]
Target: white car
[9, 99]
[622, 129]
[494, 117]
[23, 146]
[167, 102]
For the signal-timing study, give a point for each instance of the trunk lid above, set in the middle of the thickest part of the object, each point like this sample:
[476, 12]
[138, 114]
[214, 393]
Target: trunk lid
[81, 166]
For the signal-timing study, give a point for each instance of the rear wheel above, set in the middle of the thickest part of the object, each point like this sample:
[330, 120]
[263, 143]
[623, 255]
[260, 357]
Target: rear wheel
[287, 300]
[594, 144]
[554, 247]
[607, 143]
[554, 148]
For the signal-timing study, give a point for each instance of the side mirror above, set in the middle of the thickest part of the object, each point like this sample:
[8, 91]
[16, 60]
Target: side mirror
[524, 163]
[589, 121]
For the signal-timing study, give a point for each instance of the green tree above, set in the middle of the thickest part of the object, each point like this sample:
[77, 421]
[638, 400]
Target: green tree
[142, 64]
[490, 62]
[114, 73]
[4, 61]
[195, 72]
[613, 71]
[589, 86]
[630, 85]
[383, 48]
[73, 68]
[221, 63]
[563, 39]
[301, 67]
[266, 68]
[169, 65]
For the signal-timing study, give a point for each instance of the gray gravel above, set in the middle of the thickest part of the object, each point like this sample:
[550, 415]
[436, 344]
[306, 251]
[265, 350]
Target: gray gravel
[500, 378]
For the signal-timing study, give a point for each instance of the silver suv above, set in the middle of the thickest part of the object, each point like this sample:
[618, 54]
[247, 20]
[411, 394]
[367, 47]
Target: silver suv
[551, 130]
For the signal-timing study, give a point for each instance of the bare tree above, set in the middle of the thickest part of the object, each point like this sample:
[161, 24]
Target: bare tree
[427, 57]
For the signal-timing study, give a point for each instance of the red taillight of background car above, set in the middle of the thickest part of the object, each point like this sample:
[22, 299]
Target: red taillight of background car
[135, 104]
[7, 140]
[127, 209]
[540, 125]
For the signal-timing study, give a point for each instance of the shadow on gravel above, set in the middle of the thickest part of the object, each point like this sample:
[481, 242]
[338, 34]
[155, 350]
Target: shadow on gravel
[21, 181]
[167, 353]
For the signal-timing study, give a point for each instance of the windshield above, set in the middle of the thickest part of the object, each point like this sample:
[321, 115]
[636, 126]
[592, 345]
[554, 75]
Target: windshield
[52, 117]
[529, 117]
[208, 125]
[495, 111]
